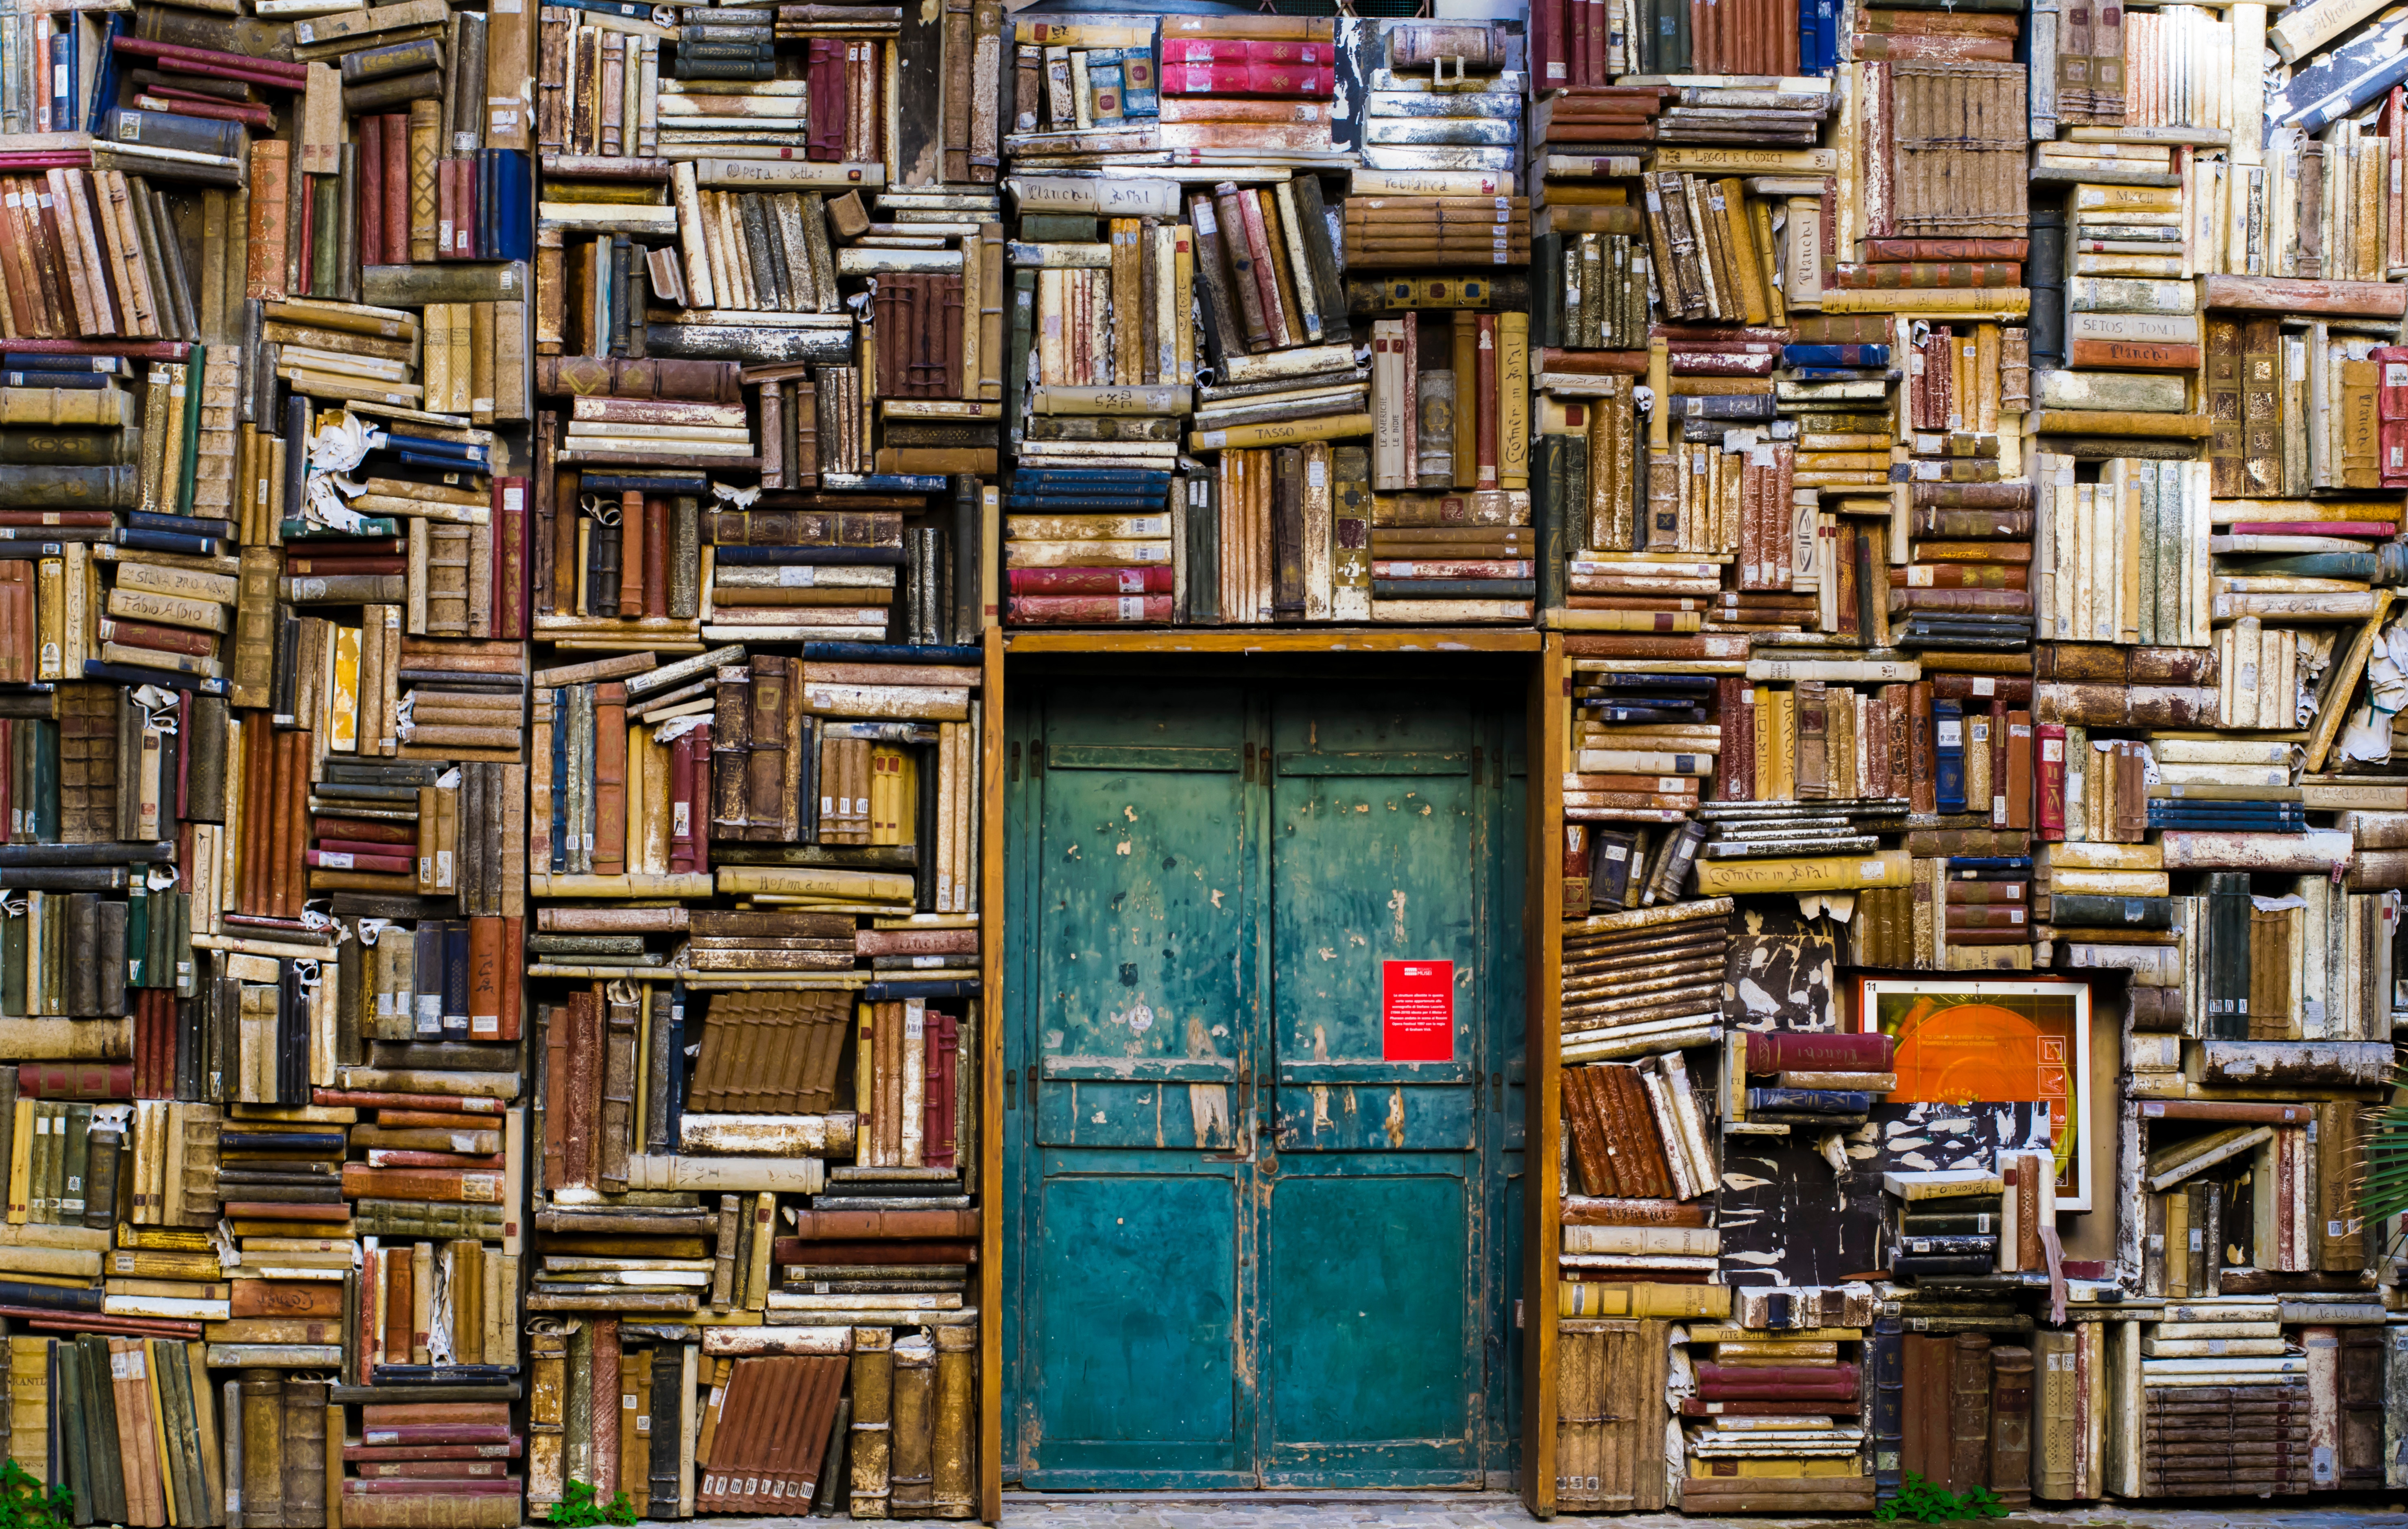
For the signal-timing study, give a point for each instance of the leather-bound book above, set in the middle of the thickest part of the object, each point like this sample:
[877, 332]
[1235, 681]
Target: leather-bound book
[911, 1478]
[262, 1450]
[547, 1387]
[872, 1381]
[2055, 1399]
[618, 1094]
[609, 779]
[771, 699]
[1924, 1441]
[2010, 1419]
[731, 746]
[635, 541]
[1969, 1412]
[663, 1469]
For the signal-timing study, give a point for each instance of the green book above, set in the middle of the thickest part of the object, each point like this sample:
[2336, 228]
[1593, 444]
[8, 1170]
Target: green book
[190, 447]
[1023, 332]
[1547, 488]
[76, 1122]
[137, 935]
[45, 782]
[100, 1430]
[67, 1426]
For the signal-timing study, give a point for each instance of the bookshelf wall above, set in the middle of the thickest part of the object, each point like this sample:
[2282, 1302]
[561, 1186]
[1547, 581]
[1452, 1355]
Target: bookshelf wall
[518, 522]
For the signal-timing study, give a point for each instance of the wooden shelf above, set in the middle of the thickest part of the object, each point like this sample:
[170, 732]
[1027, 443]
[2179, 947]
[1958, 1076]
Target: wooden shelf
[1249, 640]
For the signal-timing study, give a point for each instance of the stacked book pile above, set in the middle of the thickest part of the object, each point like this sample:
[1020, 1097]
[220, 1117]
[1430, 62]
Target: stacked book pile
[1818, 1099]
[1646, 979]
[1777, 1420]
[2225, 1401]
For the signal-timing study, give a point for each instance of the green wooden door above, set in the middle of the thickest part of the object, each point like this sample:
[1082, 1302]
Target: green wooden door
[1249, 1248]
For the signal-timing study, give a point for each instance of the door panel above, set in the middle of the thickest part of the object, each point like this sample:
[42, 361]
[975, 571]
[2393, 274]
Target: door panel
[1134, 1313]
[1369, 1295]
[1370, 1301]
[1247, 1248]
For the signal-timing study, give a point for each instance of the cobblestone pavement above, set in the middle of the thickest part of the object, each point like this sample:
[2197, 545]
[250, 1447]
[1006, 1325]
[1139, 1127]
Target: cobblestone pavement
[1499, 1510]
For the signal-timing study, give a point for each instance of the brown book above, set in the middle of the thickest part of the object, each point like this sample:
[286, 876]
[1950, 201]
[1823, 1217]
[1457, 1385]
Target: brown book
[1591, 1156]
[1924, 1438]
[2011, 1409]
[1228, 225]
[271, 163]
[731, 746]
[618, 1094]
[871, 1452]
[1969, 1412]
[766, 799]
[602, 1382]
[811, 1225]
[304, 1455]
[1592, 1210]
[2339, 1232]
[609, 779]
[262, 1450]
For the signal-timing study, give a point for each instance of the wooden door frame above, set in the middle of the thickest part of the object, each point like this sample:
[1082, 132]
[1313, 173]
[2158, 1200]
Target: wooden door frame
[1549, 685]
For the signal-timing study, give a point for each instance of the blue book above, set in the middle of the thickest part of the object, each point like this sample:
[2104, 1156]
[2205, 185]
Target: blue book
[136, 674]
[1989, 862]
[35, 360]
[1948, 755]
[779, 556]
[881, 653]
[1888, 1355]
[1810, 1100]
[192, 546]
[88, 381]
[882, 483]
[1834, 355]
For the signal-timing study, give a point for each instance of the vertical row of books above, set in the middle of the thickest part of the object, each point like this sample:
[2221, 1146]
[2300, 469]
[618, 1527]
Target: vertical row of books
[769, 368]
[1238, 397]
[1965, 490]
[267, 343]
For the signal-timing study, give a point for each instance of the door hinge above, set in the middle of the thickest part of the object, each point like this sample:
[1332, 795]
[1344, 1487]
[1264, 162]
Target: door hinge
[1250, 764]
[1015, 767]
[1011, 1088]
[1478, 762]
[1036, 757]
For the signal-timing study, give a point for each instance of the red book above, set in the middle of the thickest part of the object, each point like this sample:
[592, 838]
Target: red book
[682, 804]
[1089, 581]
[395, 1414]
[434, 1452]
[142, 634]
[437, 1433]
[1246, 50]
[1548, 68]
[432, 1470]
[796, 1251]
[371, 163]
[1085, 609]
[510, 560]
[1818, 1051]
[396, 191]
[2371, 530]
[53, 517]
[1249, 79]
[2050, 782]
[335, 859]
[697, 795]
[2391, 400]
[1736, 765]
[656, 557]
[457, 1487]
[372, 1100]
[75, 1080]
[1732, 1381]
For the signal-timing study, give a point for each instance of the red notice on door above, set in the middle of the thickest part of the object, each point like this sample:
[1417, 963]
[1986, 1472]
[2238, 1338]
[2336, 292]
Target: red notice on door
[1417, 1011]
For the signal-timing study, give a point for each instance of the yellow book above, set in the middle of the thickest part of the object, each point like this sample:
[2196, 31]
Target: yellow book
[2116, 422]
[343, 694]
[1512, 400]
[1806, 874]
[20, 1163]
[49, 609]
[28, 1408]
[1790, 1469]
[815, 881]
[1578, 1298]
[765, 1233]
[148, 1352]
[1280, 433]
[1993, 302]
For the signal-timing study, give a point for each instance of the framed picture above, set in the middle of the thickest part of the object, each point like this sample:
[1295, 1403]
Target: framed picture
[1997, 1040]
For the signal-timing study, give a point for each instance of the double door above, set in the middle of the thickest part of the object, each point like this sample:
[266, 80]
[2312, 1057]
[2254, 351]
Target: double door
[1263, 1122]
